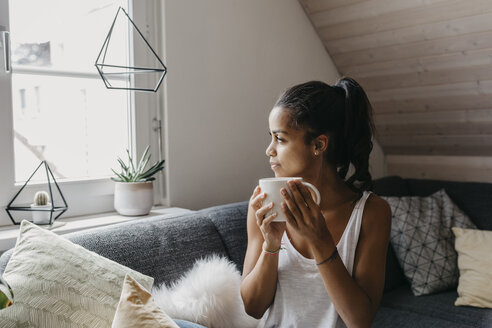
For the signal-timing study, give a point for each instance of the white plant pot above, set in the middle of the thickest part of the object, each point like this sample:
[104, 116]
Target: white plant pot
[43, 216]
[133, 198]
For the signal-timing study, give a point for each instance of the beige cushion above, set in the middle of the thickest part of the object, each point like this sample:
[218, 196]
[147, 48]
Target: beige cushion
[59, 284]
[474, 249]
[137, 309]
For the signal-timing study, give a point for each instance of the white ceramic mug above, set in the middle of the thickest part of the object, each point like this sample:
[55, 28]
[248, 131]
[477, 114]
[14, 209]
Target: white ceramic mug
[272, 186]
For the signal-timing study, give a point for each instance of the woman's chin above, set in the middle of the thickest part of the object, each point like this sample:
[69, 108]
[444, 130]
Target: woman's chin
[279, 173]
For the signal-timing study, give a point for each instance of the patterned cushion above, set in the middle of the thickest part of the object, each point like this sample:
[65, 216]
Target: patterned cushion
[423, 241]
[59, 284]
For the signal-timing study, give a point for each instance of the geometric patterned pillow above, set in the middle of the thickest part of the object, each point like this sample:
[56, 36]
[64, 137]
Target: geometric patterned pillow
[423, 241]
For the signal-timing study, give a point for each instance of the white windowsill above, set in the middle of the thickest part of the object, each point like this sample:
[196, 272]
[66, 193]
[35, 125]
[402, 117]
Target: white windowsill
[9, 234]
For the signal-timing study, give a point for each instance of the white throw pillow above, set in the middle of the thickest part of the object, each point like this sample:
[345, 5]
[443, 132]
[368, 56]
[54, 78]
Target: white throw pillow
[209, 294]
[59, 284]
[137, 309]
[475, 264]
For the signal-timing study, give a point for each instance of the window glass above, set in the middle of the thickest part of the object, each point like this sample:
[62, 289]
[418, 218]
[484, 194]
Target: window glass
[63, 34]
[62, 111]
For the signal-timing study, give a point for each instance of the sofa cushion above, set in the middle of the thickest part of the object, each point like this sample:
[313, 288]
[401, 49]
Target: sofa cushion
[137, 309]
[391, 186]
[472, 197]
[231, 223]
[391, 318]
[394, 274]
[475, 264]
[162, 247]
[422, 239]
[440, 306]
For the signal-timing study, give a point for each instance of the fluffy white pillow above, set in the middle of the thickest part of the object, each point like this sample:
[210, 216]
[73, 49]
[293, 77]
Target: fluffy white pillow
[209, 294]
[59, 284]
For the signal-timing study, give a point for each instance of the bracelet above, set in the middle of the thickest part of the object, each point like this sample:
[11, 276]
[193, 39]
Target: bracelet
[270, 253]
[332, 257]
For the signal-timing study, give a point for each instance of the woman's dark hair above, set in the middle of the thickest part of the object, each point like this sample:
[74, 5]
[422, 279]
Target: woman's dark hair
[342, 112]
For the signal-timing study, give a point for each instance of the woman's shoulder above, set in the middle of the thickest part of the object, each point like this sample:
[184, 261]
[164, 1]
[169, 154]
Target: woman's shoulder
[377, 213]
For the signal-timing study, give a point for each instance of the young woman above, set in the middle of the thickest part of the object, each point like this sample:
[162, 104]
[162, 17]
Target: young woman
[325, 266]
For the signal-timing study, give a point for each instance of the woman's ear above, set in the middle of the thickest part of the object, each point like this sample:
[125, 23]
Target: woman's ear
[321, 144]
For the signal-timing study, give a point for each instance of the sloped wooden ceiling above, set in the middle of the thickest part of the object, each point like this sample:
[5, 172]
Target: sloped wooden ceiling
[425, 64]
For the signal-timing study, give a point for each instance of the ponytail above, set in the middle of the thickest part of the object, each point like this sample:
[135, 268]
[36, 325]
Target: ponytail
[355, 144]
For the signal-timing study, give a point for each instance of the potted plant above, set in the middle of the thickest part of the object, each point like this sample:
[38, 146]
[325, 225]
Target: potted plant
[41, 207]
[134, 191]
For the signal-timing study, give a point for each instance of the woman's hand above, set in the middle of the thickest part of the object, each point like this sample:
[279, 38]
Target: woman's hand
[303, 214]
[272, 231]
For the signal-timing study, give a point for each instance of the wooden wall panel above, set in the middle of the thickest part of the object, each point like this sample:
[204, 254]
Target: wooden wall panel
[458, 101]
[460, 145]
[454, 168]
[470, 122]
[437, 12]
[427, 78]
[421, 64]
[441, 90]
[365, 9]
[419, 49]
[413, 33]
[461, 117]
[433, 128]
[426, 66]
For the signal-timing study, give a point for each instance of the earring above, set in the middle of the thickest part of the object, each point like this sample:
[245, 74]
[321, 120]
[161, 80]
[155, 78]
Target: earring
[316, 153]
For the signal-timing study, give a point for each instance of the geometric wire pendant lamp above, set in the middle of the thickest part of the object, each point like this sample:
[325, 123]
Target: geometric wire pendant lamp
[115, 71]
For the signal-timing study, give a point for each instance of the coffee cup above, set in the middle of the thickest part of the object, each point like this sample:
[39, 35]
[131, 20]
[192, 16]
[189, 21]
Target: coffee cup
[272, 186]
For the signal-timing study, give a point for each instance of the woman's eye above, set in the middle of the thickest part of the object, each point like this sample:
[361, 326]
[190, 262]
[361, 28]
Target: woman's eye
[279, 139]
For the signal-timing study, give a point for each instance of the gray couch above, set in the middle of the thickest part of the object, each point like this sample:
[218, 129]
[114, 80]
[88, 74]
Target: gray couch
[165, 248]
[399, 308]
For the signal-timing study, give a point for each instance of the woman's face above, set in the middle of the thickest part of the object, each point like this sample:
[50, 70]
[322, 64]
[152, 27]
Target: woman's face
[288, 152]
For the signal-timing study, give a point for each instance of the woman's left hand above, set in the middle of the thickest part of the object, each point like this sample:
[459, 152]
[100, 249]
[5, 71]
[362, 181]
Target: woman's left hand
[303, 214]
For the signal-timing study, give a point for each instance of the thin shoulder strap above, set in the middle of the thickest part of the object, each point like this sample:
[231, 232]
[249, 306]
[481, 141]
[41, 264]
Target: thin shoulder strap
[350, 238]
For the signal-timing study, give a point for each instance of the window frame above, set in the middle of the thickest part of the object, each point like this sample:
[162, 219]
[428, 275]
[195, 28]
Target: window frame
[91, 196]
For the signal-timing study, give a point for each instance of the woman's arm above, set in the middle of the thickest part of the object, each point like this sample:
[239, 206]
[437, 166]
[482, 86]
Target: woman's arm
[356, 298]
[259, 279]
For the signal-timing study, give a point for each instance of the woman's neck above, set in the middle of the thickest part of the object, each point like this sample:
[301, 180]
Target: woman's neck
[334, 191]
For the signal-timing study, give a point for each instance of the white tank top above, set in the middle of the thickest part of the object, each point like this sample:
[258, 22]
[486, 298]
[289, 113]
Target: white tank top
[301, 299]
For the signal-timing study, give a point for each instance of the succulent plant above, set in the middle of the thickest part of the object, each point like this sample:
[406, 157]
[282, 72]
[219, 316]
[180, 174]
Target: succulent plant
[41, 198]
[135, 172]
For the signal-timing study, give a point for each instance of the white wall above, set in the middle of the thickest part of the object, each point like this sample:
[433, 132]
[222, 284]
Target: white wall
[228, 61]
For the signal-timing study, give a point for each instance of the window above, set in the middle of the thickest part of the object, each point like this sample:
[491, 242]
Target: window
[55, 107]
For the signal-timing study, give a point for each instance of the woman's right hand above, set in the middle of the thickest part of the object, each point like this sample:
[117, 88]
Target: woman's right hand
[272, 231]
